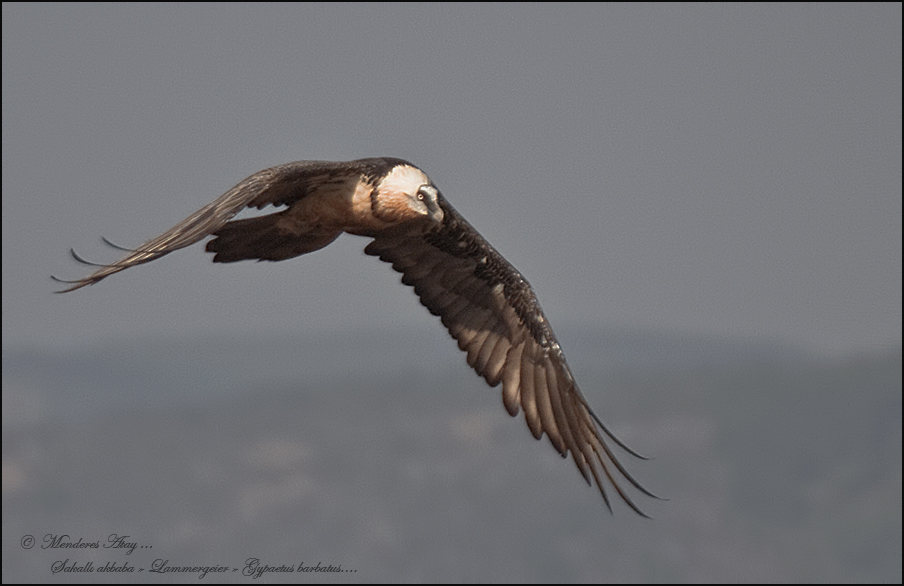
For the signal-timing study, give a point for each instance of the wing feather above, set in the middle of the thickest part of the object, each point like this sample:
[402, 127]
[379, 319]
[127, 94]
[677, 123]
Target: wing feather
[417, 269]
[544, 407]
[487, 346]
[476, 342]
[583, 453]
[555, 401]
[511, 380]
[529, 398]
[495, 361]
[453, 318]
[438, 297]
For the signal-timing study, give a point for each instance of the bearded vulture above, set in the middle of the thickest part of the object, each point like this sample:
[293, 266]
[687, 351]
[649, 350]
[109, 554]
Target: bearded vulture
[484, 302]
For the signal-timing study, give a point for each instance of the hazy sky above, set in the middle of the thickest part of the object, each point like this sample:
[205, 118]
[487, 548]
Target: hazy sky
[733, 170]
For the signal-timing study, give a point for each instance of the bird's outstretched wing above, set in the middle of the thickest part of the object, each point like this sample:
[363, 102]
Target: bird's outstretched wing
[491, 310]
[282, 185]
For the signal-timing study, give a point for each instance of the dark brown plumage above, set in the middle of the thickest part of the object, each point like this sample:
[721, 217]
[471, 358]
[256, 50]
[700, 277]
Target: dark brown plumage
[484, 302]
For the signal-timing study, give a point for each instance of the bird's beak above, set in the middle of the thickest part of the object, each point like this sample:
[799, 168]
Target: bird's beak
[432, 202]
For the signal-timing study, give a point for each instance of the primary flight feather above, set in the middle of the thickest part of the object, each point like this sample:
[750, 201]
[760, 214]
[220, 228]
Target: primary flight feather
[484, 302]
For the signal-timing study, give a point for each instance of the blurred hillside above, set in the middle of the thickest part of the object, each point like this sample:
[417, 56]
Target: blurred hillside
[383, 453]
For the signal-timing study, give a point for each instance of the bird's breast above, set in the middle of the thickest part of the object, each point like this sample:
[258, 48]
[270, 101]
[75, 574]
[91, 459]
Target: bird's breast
[345, 206]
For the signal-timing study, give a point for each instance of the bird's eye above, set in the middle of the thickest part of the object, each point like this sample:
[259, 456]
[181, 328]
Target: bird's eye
[420, 195]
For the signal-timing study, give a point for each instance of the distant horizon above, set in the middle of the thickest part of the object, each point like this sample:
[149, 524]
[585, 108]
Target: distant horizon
[230, 358]
[421, 328]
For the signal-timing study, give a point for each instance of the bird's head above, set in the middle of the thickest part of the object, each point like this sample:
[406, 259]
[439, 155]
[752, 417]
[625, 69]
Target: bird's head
[406, 193]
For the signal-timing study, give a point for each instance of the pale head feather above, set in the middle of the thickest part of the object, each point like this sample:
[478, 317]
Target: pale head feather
[397, 194]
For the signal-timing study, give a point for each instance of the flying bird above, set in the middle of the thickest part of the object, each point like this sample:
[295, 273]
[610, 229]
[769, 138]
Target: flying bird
[484, 302]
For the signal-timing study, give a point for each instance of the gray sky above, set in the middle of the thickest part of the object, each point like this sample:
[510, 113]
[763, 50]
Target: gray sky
[712, 169]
